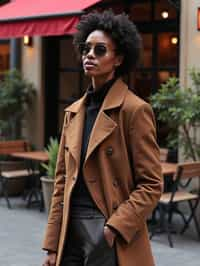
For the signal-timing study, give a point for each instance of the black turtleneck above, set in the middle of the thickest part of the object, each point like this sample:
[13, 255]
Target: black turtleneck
[81, 200]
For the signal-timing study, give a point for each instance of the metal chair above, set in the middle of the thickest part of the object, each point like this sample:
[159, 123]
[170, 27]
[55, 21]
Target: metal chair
[6, 148]
[163, 158]
[169, 201]
[163, 154]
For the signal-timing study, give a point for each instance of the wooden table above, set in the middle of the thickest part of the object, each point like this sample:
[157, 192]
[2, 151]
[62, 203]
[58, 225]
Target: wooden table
[168, 168]
[31, 157]
[40, 156]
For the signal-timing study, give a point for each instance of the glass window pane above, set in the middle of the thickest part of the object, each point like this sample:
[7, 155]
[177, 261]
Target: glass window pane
[61, 108]
[140, 11]
[165, 10]
[147, 49]
[167, 49]
[68, 57]
[163, 76]
[69, 85]
[4, 58]
[142, 84]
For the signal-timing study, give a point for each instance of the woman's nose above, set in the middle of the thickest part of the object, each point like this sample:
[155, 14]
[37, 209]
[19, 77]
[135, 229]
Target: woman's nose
[91, 52]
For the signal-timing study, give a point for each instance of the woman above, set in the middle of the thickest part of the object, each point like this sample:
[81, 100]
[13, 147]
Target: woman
[108, 176]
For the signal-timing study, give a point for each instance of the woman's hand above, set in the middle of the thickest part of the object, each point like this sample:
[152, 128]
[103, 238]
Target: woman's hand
[50, 259]
[109, 235]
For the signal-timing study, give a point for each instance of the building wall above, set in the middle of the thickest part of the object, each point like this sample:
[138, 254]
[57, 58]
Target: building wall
[189, 43]
[32, 70]
[189, 47]
[189, 39]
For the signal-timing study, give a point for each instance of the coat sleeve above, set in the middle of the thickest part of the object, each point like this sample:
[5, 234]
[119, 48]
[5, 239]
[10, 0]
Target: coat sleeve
[52, 233]
[131, 215]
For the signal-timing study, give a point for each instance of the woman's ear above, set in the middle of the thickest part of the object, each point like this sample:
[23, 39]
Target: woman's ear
[119, 60]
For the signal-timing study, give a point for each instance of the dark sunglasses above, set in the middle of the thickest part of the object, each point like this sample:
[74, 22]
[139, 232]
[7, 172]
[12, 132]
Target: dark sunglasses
[99, 49]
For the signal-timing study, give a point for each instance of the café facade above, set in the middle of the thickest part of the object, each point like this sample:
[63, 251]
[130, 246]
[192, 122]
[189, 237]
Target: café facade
[37, 39]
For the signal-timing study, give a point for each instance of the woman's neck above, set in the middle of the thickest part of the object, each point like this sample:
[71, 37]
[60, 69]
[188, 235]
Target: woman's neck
[97, 83]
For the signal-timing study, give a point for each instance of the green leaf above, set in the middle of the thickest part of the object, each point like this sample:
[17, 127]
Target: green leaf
[179, 108]
[52, 150]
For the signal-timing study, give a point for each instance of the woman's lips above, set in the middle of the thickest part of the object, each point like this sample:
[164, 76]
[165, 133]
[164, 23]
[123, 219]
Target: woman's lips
[89, 65]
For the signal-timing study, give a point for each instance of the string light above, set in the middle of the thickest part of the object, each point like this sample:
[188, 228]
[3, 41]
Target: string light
[165, 14]
[174, 40]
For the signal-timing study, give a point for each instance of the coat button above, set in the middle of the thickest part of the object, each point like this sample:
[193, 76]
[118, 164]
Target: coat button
[66, 148]
[115, 206]
[115, 182]
[62, 203]
[74, 178]
[109, 151]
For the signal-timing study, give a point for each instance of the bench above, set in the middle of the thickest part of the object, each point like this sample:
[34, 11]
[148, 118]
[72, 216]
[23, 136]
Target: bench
[6, 174]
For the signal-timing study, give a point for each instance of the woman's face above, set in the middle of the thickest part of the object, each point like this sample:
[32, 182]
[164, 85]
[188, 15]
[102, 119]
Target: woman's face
[99, 56]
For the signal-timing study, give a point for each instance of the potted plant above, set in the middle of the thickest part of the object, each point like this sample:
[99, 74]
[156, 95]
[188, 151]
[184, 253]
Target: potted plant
[50, 167]
[16, 95]
[179, 109]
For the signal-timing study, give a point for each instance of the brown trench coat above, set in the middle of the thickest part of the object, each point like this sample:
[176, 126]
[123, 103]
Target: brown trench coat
[121, 169]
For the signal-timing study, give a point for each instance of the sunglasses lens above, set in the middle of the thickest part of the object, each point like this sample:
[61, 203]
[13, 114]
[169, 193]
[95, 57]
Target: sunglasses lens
[100, 50]
[83, 48]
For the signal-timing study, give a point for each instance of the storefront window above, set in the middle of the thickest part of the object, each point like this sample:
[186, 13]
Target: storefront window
[68, 57]
[69, 75]
[4, 57]
[163, 76]
[167, 49]
[164, 10]
[141, 11]
[147, 49]
[142, 82]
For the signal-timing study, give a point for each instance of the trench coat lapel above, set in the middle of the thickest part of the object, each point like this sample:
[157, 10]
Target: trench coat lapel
[105, 125]
[74, 129]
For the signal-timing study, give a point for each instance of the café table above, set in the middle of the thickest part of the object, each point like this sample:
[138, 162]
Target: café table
[168, 168]
[32, 158]
[40, 156]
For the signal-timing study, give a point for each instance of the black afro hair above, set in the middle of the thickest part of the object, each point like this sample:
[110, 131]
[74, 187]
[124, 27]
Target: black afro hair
[121, 30]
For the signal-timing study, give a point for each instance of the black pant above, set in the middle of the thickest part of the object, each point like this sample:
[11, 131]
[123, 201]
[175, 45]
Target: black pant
[86, 244]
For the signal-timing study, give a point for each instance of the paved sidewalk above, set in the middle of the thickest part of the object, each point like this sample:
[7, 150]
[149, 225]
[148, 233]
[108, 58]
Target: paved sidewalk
[21, 233]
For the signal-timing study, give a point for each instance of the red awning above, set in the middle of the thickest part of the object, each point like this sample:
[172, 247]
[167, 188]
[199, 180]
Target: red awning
[44, 17]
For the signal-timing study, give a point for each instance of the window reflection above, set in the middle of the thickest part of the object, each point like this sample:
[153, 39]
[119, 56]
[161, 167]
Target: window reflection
[142, 83]
[163, 76]
[140, 11]
[167, 49]
[4, 58]
[164, 10]
[147, 49]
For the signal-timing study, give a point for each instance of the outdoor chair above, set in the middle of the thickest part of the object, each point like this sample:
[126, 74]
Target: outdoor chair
[7, 148]
[168, 204]
[163, 154]
[155, 213]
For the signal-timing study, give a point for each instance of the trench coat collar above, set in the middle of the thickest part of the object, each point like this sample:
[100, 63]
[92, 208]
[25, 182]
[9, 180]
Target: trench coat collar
[103, 126]
[113, 99]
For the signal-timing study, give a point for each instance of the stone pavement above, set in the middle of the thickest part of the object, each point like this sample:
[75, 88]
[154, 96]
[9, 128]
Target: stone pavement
[21, 233]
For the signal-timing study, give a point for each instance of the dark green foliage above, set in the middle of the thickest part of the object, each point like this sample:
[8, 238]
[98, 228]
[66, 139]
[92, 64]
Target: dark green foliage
[16, 94]
[180, 109]
[52, 150]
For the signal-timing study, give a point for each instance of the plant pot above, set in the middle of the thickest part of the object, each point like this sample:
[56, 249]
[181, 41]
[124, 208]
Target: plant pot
[47, 189]
[15, 187]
